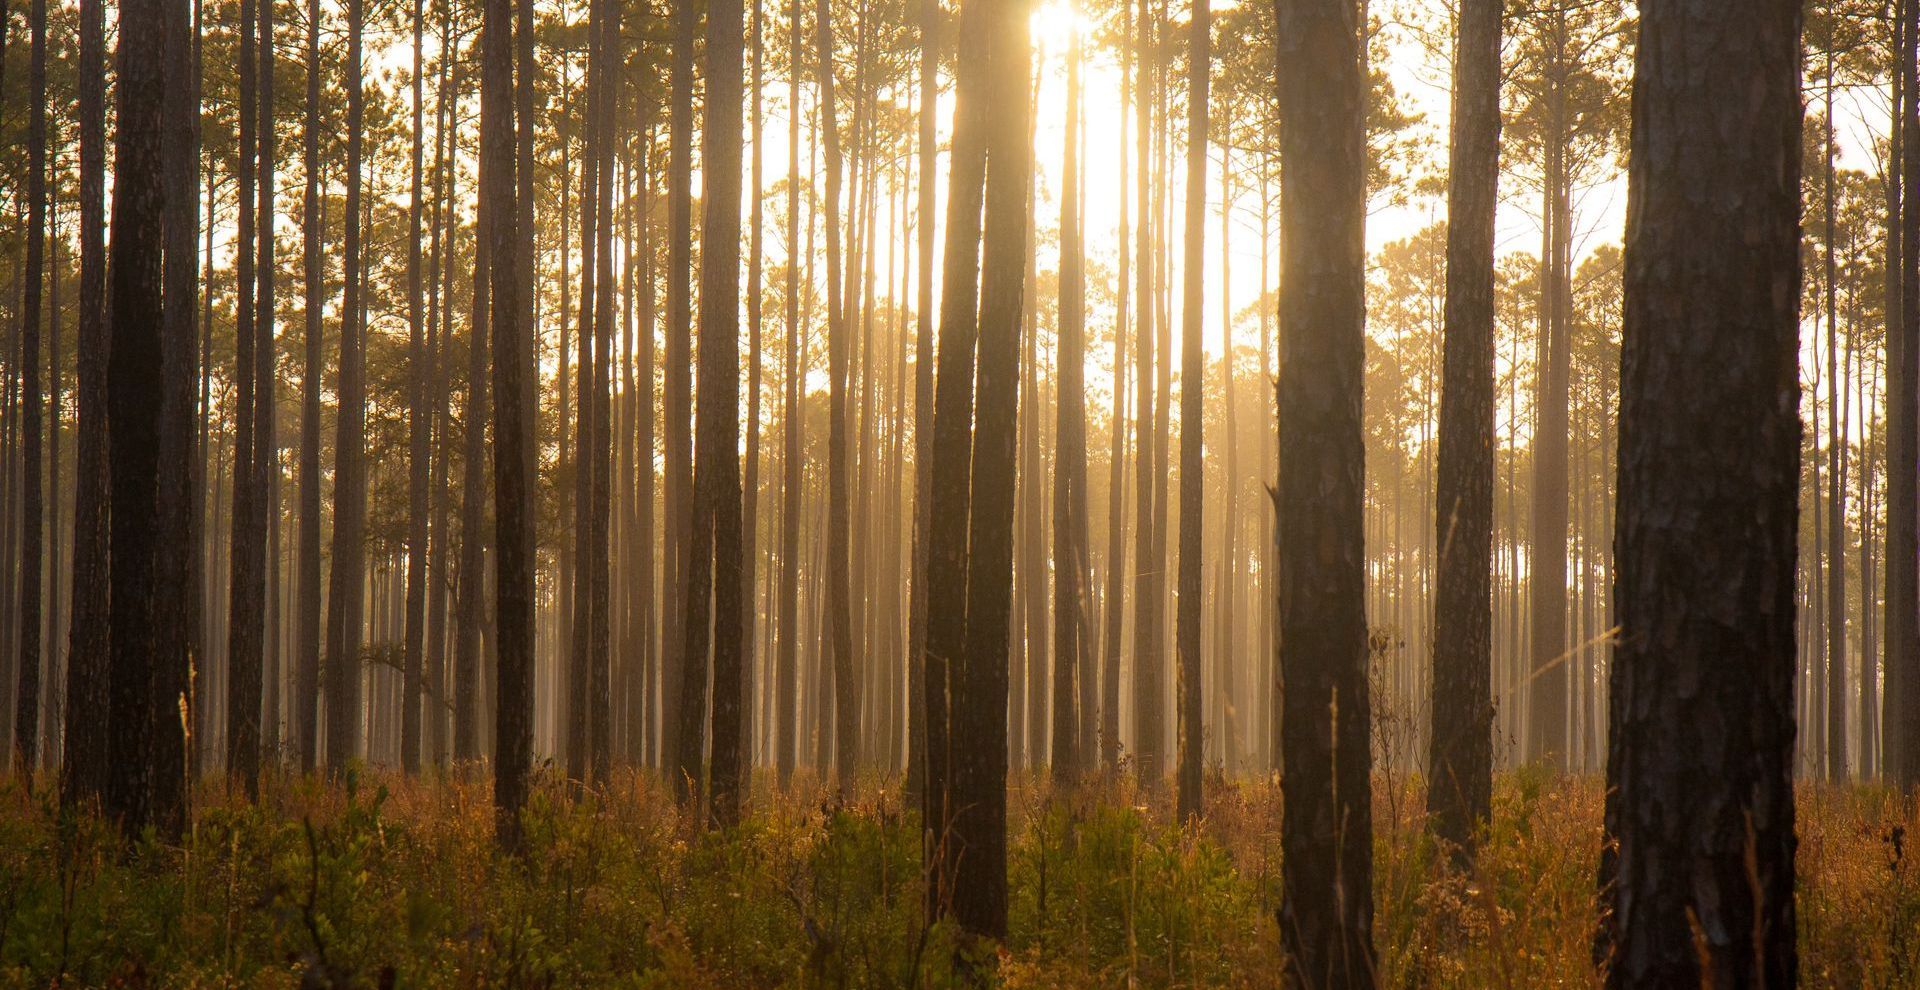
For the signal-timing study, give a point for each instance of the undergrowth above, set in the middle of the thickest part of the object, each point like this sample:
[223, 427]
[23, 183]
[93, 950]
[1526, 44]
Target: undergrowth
[381, 881]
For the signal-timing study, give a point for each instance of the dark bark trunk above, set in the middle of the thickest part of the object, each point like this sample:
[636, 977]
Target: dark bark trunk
[846, 690]
[346, 591]
[306, 682]
[419, 421]
[501, 33]
[1697, 873]
[979, 687]
[146, 750]
[247, 541]
[85, 768]
[1459, 786]
[26, 723]
[718, 468]
[1902, 721]
[1326, 912]
[947, 555]
[677, 399]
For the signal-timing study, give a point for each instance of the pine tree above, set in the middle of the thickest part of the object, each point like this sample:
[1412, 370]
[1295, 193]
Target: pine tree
[1697, 875]
[1326, 911]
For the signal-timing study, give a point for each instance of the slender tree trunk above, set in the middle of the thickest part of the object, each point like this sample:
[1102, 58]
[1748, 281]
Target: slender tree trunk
[1698, 868]
[677, 401]
[839, 604]
[719, 459]
[1116, 474]
[750, 486]
[1192, 411]
[419, 422]
[26, 723]
[793, 426]
[1326, 912]
[928, 149]
[1070, 458]
[1903, 444]
[1459, 787]
[306, 691]
[1149, 686]
[512, 428]
[247, 547]
[1836, 658]
[85, 768]
[346, 599]
[470, 603]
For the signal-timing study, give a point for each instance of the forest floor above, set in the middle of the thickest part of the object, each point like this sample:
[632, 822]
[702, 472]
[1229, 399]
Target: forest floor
[395, 882]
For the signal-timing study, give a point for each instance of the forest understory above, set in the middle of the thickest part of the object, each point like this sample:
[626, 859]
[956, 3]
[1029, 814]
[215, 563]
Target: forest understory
[383, 880]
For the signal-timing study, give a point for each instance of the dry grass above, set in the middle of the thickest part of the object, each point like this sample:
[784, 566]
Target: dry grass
[397, 880]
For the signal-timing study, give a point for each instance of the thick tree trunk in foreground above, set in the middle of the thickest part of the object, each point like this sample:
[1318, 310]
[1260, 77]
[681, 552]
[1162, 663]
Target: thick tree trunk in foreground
[1459, 787]
[146, 751]
[1698, 872]
[979, 687]
[947, 560]
[1326, 912]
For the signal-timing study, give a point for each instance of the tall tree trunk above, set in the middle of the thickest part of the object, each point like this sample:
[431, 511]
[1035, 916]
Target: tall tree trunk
[248, 678]
[247, 547]
[719, 458]
[947, 551]
[1459, 787]
[346, 597]
[928, 150]
[1326, 912]
[1902, 721]
[793, 426]
[600, 588]
[846, 691]
[1698, 867]
[1149, 675]
[1070, 457]
[677, 400]
[979, 702]
[146, 748]
[85, 768]
[306, 690]
[419, 422]
[750, 485]
[471, 583]
[512, 427]
[1116, 470]
[1836, 658]
[1192, 411]
[26, 724]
